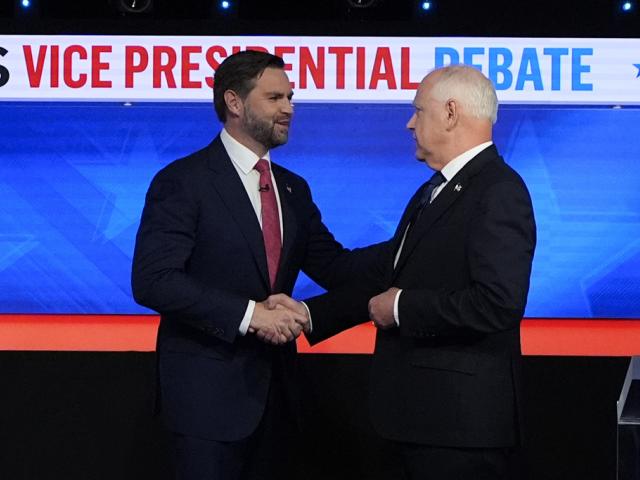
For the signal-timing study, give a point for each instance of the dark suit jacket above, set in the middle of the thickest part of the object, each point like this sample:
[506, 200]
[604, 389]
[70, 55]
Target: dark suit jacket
[450, 374]
[199, 258]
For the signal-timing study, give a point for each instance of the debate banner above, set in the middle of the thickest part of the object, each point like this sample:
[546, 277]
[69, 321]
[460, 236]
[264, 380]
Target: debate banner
[324, 69]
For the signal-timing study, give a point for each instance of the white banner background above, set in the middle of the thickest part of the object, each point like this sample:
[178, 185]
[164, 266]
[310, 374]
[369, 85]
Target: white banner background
[322, 69]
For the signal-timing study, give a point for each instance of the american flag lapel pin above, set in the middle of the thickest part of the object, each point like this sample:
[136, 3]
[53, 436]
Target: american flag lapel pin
[458, 187]
[288, 188]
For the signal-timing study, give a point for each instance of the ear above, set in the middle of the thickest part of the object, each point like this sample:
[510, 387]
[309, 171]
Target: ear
[233, 102]
[452, 113]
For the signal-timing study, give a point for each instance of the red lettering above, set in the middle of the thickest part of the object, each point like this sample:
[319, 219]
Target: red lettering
[34, 70]
[236, 49]
[97, 66]
[315, 69]
[213, 62]
[188, 66]
[340, 53]
[68, 66]
[360, 66]
[405, 70]
[131, 66]
[281, 52]
[383, 69]
[55, 66]
[253, 47]
[165, 69]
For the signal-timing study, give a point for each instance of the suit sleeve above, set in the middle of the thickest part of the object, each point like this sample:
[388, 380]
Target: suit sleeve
[164, 244]
[346, 304]
[339, 310]
[501, 243]
[327, 262]
[351, 276]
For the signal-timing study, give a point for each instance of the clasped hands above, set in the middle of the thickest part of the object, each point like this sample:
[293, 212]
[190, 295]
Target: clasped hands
[281, 319]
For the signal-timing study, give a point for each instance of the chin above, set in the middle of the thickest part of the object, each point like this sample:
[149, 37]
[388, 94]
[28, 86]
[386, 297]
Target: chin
[279, 140]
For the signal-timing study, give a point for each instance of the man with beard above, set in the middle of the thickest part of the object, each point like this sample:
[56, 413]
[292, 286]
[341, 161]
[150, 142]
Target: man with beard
[221, 230]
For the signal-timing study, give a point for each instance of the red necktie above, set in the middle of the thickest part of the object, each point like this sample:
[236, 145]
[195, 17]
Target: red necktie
[270, 220]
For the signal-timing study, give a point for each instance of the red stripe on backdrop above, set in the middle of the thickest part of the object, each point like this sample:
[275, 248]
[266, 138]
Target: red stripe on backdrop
[115, 333]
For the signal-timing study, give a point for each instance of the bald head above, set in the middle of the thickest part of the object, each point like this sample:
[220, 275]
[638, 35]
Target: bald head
[473, 91]
[455, 109]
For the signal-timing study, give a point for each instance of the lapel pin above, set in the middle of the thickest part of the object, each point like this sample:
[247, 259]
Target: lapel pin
[458, 187]
[288, 189]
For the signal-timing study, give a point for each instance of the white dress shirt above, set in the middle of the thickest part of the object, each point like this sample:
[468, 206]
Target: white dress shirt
[243, 160]
[448, 171]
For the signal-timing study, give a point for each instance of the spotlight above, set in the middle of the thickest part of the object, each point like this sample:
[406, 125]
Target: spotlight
[26, 8]
[424, 8]
[626, 6]
[225, 8]
[361, 3]
[134, 6]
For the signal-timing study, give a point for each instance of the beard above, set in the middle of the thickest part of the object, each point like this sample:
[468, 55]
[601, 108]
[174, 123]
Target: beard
[264, 131]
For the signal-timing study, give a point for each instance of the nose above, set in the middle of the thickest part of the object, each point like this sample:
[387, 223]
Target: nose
[287, 106]
[411, 124]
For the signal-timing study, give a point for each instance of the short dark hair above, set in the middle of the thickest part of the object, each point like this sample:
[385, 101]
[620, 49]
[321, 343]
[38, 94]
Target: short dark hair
[239, 73]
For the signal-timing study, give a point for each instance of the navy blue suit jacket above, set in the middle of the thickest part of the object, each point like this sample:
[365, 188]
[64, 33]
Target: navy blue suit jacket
[199, 258]
[450, 374]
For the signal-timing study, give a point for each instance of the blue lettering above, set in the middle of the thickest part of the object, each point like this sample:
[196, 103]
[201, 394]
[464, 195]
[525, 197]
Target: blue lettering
[529, 70]
[578, 68]
[502, 69]
[468, 56]
[497, 67]
[556, 54]
[452, 53]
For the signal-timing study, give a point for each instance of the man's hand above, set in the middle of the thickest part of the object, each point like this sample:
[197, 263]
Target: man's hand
[381, 309]
[281, 300]
[276, 326]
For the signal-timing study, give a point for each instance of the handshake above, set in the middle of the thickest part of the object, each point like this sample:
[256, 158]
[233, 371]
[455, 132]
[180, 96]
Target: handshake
[279, 319]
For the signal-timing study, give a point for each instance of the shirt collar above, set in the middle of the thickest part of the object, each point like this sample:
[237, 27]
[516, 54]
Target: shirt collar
[240, 155]
[454, 166]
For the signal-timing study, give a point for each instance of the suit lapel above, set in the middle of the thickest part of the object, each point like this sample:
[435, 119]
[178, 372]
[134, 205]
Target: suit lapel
[289, 221]
[406, 216]
[232, 192]
[431, 213]
[404, 221]
[445, 199]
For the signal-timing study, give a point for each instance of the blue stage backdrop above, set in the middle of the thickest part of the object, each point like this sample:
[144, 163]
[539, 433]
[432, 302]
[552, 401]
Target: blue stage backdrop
[73, 178]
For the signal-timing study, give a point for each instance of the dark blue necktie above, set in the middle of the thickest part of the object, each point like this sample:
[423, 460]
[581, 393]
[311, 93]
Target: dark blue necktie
[425, 199]
[436, 180]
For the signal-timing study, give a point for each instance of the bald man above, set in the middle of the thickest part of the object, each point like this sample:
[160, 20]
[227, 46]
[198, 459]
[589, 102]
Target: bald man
[447, 294]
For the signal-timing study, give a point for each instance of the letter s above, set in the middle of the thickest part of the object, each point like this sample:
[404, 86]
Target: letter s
[4, 73]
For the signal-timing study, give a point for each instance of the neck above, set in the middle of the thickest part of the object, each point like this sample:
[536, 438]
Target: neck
[459, 147]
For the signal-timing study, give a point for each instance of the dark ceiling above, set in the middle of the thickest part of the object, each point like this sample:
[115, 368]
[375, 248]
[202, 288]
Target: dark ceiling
[542, 18]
